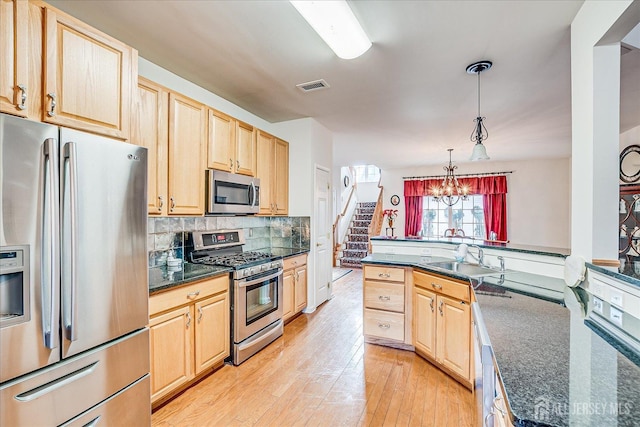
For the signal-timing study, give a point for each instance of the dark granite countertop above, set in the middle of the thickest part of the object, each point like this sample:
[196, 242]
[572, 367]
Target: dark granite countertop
[539, 250]
[161, 279]
[562, 362]
[627, 274]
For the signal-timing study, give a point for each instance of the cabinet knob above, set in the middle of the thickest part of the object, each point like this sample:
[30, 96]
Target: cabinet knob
[23, 97]
[193, 294]
[385, 275]
[160, 203]
[52, 111]
[384, 297]
[173, 203]
[384, 325]
[436, 286]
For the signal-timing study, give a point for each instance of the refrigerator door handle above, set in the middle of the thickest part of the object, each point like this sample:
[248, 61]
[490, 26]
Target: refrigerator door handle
[50, 245]
[56, 384]
[69, 230]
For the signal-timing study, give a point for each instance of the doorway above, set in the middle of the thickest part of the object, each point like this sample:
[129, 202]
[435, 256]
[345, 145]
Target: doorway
[322, 234]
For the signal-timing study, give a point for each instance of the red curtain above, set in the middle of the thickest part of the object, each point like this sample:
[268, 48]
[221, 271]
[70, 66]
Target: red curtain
[493, 188]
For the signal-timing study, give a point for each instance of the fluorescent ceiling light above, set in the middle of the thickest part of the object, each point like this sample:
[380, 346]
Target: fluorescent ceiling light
[335, 22]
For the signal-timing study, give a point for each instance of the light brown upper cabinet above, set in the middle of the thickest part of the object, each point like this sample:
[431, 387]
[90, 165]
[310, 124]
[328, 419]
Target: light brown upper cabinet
[173, 128]
[273, 171]
[14, 72]
[150, 129]
[89, 77]
[187, 135]
[231, 145]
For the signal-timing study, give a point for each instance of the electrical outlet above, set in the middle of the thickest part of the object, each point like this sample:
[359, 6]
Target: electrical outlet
[616, 298]
[598, 305]
[615, 316]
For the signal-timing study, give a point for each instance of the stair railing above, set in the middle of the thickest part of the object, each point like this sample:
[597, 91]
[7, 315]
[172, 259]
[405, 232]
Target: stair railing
[376, 222]
[337, 243]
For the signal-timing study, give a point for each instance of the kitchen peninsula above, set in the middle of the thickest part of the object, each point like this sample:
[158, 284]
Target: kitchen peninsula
[561, 355]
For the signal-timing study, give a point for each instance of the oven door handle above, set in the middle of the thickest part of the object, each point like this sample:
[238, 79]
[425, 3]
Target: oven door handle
[243, 283]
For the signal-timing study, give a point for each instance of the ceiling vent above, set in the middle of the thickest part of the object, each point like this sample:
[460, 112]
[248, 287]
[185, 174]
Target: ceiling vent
[314, 85]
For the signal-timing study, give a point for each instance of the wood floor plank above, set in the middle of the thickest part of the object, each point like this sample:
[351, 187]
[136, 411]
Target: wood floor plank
[321, 373]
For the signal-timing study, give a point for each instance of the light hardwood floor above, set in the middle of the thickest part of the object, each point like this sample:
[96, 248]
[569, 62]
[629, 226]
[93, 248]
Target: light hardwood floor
[321, 373]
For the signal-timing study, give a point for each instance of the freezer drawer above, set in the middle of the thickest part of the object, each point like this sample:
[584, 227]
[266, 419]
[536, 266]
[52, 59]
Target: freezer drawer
[60, 392]
[130, 407]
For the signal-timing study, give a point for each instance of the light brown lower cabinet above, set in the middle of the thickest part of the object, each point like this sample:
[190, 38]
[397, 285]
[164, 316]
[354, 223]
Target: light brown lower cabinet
[294, 286]
[190, 334]
[442, 323]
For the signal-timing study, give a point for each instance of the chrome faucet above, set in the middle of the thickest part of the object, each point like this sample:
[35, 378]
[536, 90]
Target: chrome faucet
[480, 256]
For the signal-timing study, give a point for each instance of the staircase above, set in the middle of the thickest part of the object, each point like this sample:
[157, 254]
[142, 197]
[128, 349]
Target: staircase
[358, 237]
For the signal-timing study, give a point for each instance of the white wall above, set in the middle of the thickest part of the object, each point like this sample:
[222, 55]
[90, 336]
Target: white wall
[595, 91]
[368, 191]
[538, 199]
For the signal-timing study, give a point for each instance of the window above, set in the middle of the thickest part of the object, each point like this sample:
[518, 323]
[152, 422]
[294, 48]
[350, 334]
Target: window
[367, 173]
[467, 215]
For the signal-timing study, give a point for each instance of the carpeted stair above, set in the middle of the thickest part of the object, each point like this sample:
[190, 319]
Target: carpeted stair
[357, 242]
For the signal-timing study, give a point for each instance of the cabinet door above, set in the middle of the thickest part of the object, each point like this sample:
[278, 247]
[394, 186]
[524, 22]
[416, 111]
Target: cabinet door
[454, 335]
[151, 130]
[212, 331]
[424, 321]
[281, 178]
[245, 149]
[89, 77]
[14, 53]
[265, 149]
[221, 141]
[288, 293]
[300, 288]
[186, 155]
[171, 341]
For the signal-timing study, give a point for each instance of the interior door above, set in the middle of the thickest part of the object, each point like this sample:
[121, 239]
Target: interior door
[322, 235]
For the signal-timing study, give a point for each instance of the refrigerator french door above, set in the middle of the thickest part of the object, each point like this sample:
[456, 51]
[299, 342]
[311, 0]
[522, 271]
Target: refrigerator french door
[73, 315]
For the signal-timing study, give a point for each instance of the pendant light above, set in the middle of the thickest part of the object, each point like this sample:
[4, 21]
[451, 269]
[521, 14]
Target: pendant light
[480, 132]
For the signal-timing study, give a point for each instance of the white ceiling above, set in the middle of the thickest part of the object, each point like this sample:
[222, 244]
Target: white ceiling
[402, 103]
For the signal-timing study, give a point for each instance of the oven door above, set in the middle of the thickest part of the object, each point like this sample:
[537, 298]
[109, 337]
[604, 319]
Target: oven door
[257, 303]
[232, 193]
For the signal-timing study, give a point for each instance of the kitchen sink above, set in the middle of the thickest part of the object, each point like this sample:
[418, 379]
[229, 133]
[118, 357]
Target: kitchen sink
[466, 268]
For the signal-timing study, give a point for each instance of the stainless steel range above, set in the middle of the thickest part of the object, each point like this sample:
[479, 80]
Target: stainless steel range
[256, 285]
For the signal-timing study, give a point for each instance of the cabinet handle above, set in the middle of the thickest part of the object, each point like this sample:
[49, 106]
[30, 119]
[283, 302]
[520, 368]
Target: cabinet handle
[440, 308]
[237, 164]
[173, 203]
[52, 111]
[23, 97]
[188, 319]
[230, 163]
[297, 276]
[436, 286]
[495, 401]
[384, 325]
[431, 304]
[199, 314]
[385, 275]
[160, 203]
[384, 297]
[193, 294]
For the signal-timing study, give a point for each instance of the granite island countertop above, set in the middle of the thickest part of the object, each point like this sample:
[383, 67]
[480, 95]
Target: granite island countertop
[558, 365]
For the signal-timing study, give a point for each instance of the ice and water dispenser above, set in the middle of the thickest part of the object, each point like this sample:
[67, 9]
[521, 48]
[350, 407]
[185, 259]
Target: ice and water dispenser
[14, 285]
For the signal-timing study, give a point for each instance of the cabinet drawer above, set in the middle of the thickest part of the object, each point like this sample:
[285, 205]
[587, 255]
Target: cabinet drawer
[390, 274]
[384, 324]
[384, 296]
[188, 293]
[441, 285]
[294, 261]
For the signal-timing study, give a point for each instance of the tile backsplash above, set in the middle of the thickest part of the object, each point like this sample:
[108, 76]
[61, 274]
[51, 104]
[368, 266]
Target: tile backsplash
[165, 234]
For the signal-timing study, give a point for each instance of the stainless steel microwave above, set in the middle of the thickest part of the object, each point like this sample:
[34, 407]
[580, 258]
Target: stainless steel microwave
[230, 193]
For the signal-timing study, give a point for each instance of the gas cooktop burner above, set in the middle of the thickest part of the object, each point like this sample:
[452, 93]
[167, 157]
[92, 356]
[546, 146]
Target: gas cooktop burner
[234, 260]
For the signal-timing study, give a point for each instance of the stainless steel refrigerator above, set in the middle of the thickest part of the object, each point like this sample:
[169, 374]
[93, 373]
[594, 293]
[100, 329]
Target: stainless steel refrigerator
[74, 342]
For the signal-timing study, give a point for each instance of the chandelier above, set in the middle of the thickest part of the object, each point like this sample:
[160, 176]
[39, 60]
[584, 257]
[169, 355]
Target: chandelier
[450, 191]
[480, 132]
